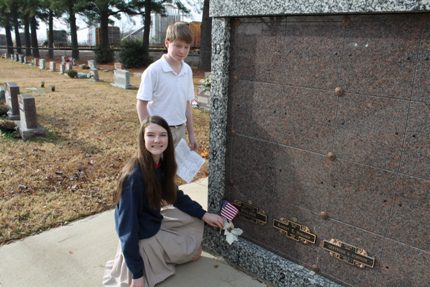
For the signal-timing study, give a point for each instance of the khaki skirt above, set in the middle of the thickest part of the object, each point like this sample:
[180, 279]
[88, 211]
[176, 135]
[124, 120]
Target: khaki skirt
[178, 241]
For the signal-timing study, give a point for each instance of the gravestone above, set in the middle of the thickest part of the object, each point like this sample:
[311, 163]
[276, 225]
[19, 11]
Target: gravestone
[334, 110]
[92, 64]
[62, 68]
[21, 58]
[12, 57]
[28, 126]
[42, 64]
[11, 94]
[121, 79]
[203, 93]
[118, 66]
[2, 95]
[25, 60]
[94, 73]
[52, 66]
[63, 59]
[69, 66]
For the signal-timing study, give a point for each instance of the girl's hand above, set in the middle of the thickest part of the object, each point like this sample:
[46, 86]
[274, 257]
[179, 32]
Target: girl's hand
[213, 220]
[137, 282]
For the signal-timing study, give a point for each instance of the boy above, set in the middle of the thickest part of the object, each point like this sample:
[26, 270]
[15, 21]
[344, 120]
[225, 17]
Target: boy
[166, 88]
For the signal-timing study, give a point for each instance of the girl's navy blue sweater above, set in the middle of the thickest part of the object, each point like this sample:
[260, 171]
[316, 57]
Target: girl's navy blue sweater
[134, 220]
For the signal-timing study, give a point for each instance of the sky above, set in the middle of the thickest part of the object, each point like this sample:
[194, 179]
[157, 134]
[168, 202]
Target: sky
[125, 24]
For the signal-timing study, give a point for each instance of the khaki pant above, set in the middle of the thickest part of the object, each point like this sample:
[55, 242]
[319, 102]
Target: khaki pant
[178, 133]
[178, 241]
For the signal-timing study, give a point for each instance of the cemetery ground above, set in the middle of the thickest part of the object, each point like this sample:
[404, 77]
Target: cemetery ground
[72, 172]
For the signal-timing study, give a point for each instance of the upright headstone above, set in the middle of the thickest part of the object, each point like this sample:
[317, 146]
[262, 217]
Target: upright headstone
[73, 62]
[42, 64]
[121, 79]
[52, 66]
[2, 94]
[62, 68]
[28, 126]
[12, 91]
[63, 59]
[118, 66]
[92, 64]
[12, 57]
[69, 66]
[94, 74]
[203, 93]
[21, 58]
[25, 60]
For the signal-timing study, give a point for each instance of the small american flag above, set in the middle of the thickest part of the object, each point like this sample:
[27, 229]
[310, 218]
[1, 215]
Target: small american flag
[228, 210]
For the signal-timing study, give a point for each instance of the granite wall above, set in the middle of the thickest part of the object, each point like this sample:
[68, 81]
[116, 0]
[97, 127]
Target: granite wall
[322, 124]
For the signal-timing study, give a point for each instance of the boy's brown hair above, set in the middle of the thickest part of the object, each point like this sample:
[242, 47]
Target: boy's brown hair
[179, 31]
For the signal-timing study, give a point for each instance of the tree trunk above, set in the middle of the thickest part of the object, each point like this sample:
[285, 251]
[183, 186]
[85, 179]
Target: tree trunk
[104, 30]
[9, 41]
[34, 44]
[205, 40]
[73, 31]
[16, 29]
[51, 35]
[27, 36]
[146, 28]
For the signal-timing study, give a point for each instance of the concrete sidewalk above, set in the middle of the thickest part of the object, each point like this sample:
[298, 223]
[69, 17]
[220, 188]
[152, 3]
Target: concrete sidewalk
[74, 255]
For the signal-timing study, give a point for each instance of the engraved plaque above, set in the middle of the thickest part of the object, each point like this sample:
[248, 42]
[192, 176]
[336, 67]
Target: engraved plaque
[251, 213]
[294, 230]
[348, 253]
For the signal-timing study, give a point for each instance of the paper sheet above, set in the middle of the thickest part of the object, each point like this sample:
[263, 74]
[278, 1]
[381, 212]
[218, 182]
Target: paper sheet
[189, 162]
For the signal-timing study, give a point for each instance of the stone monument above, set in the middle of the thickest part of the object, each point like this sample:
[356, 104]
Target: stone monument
[52, 66]
[42, 64]
[62, 68]
[320, 128]
[121, 79]
[94, 73]
[28, 126]
[11, 94]
[92, 64]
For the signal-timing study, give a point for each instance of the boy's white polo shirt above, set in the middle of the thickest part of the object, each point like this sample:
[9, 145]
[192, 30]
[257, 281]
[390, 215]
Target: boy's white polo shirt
[167, 93]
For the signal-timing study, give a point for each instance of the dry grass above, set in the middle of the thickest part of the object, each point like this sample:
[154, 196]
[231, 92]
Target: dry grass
[72, 172]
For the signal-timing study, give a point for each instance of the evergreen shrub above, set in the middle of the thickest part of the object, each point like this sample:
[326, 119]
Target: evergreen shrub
[133, 54]
[104, 55]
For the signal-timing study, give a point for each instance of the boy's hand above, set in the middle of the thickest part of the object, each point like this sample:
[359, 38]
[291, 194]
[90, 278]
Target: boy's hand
[193, 143]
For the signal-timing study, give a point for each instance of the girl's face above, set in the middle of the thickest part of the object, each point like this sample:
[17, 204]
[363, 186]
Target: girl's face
[156, 140]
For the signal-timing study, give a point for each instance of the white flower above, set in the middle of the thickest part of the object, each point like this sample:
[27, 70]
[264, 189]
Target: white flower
[231, 233]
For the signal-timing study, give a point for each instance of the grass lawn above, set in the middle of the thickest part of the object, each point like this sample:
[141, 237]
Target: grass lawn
[71, 173]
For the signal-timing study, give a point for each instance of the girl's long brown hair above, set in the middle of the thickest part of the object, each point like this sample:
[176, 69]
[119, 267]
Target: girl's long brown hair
[155, 190]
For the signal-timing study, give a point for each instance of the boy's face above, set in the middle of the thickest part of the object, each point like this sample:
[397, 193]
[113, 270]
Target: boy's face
[177, 49]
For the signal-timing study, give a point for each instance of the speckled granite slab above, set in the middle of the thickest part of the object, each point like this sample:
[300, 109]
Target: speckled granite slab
[240, 8]
[277, 112]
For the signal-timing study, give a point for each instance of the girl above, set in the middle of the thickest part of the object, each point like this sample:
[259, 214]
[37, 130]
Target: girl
[157, 224]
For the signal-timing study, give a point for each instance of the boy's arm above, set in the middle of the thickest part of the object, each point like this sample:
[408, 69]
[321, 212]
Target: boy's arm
[142, 110]
[191, 137]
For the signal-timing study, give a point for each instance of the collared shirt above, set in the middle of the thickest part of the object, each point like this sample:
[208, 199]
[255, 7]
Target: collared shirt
[167, 92]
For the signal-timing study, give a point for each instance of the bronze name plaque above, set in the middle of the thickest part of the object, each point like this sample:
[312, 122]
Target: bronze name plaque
[348, 253]
[295, 231]
[251, 213]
